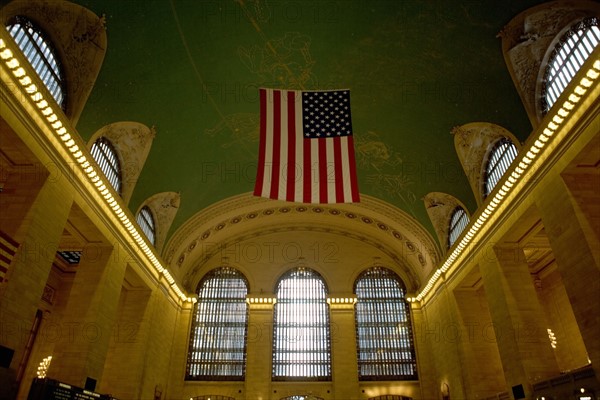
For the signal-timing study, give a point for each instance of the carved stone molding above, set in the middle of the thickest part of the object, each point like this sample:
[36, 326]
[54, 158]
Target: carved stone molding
[79, 38]
[473, 142]
[439, 207]
[132, 140]
[528, 40]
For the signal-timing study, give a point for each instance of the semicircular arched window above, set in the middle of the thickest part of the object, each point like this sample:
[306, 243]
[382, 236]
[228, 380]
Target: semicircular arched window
[146, 221]
[105, 155]
[41, 55]
[572, 50]
[458, 222]
[301, 336]
[383, 327]
[498, 162]
[217, 349]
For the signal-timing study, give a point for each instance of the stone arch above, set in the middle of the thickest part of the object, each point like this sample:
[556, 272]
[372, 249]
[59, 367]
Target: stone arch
[79, 39]
[164, 207]
[440, 207]
[529, 38]
[473, 143]
[132, 142]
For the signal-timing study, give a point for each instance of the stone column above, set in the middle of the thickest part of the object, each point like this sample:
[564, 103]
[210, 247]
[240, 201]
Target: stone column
[123, 370]
[577, 253]
[425, 364]
[259, 345]
[89, 317]
[344, 363]
[438, 331]
[29, 270]
[482, 369]
[160, 330]
[179, 352]
[518, 318]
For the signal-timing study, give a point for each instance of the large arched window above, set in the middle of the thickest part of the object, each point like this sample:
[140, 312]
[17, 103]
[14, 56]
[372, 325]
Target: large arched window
[501, 156]
[383, 327]
[41, 55]
[217, 349]
[106, 156]
[301, 342]
[146, 221]
[573, 48]
[458, 222]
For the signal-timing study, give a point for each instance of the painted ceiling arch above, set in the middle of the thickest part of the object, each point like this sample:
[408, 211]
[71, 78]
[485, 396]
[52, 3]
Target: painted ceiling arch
[415, 70]
[215, 232]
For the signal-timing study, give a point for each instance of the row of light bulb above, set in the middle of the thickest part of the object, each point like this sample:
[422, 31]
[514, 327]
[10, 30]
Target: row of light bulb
[523, 164]
[70, 142]
[261, 300]
[273, 300]
[341, 300]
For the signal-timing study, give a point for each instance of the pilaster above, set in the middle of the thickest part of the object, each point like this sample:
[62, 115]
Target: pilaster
[343, 347]
[30, 268]
[260, 334]
[577, 253]
[89, 317]
[123, 370]
[518, 318]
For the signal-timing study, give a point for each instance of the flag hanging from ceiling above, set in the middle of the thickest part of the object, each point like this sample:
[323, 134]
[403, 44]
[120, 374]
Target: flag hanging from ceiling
[306, 151]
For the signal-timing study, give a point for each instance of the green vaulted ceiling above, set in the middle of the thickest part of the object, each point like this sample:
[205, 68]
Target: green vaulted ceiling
[192, 69]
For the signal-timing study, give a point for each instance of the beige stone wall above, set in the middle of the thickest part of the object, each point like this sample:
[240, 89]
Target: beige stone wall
[124, 366]
[570, 350]
[439, 332]
[482, 368]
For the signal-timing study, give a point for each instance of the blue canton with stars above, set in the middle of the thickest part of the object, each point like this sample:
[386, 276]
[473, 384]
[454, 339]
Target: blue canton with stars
[326, 114]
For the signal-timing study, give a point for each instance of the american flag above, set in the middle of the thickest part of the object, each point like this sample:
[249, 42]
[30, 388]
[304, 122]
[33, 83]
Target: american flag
[306, 149]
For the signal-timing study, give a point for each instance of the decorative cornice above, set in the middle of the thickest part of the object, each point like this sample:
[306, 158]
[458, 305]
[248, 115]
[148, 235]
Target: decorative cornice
[51, 130]
[575, 108]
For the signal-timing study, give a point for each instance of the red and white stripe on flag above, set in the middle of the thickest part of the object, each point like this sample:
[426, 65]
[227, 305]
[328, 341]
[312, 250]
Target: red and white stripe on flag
[292, 165]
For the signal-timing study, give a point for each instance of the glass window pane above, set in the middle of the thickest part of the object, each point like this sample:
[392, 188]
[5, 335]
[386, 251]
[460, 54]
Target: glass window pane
[106, 157]
[301, 340]
[573, 48]
[501, 156]
[36, 47]
[217, 349]
[458, 222]
[146, 222]
[384, 332]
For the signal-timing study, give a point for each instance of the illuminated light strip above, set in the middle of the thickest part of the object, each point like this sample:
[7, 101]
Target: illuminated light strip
[523, 165]
[341, 300]
[46, 110]
[261, 300]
